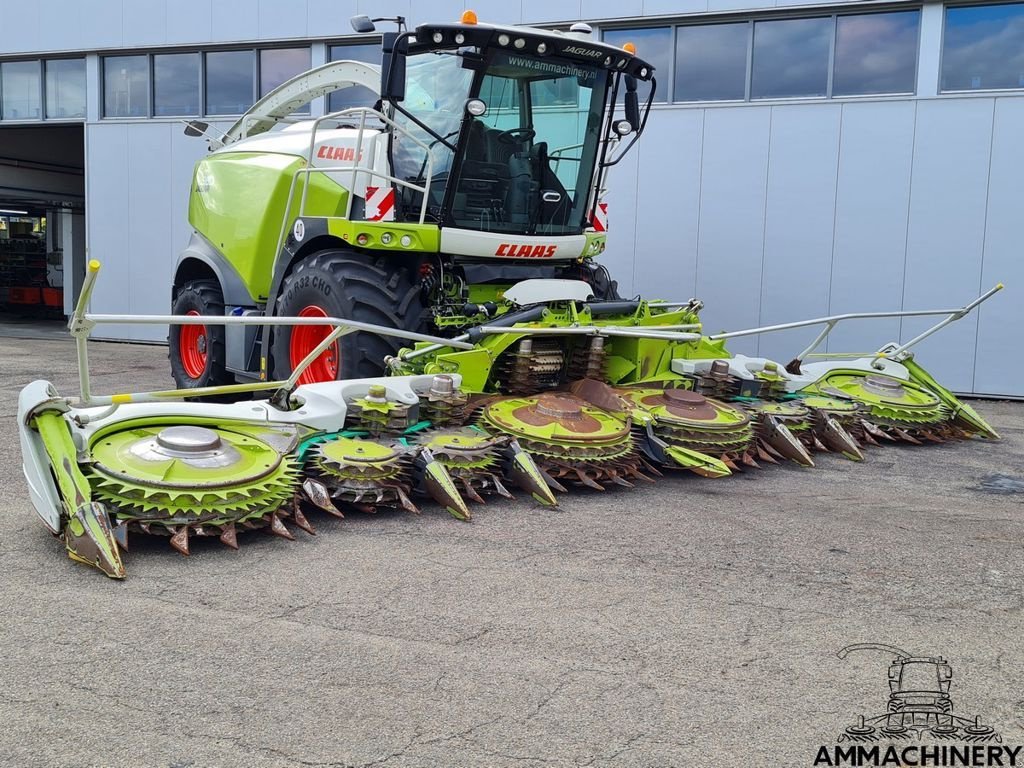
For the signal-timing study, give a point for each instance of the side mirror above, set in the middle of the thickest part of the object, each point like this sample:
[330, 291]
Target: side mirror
[392, 71]
[632, 103]
[362, 24]
[196, 128]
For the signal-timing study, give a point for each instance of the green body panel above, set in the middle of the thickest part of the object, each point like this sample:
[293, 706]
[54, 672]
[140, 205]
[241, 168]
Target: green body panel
[960, 409]
[426, 238]
[239, 201]
[629, 360]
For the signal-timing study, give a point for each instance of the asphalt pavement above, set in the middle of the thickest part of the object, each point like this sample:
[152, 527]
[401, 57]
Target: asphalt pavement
[688, 623]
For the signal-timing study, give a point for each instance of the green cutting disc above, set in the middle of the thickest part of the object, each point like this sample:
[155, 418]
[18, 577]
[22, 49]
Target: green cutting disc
[692, 421]
[792, 413]
[355, 458]
[466, 447]
[190, 473]
[832, 405]
[555, 417]
[889, 400]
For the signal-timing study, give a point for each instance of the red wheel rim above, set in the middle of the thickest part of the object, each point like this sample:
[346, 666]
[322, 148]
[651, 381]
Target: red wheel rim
[192, 348]
[305, 339]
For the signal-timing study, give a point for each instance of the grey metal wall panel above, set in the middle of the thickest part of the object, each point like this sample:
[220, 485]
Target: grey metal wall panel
[499, 11]
[20, 30]
[102, 26]
[108, 224]
[591, 10]
[438, 10]
[731, 225]
[377, 8]
[144, 22]
[658, 7]
[235, 20]
[948, 195]
[799, 222]
[190, 21]
[329, 17]
[537, 11]
[149, 210]
[669, 173]
[60, 22]
[278, 20]
[998, 366]
[872, 200]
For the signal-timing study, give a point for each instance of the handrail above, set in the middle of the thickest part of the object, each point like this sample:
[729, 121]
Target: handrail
[832, 321]
[353, 170]
[81, 323]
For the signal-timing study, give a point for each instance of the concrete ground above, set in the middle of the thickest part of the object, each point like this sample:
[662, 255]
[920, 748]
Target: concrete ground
[690, 623]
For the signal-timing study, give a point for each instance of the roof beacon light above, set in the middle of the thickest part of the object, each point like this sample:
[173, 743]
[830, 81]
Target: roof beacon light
[468, 17]
[630, 49]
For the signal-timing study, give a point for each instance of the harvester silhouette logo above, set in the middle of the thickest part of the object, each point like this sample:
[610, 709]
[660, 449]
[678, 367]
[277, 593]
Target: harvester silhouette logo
[919, 707]
[919, 726]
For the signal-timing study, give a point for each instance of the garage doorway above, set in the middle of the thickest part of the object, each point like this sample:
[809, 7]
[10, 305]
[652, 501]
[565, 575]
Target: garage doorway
[42, 225]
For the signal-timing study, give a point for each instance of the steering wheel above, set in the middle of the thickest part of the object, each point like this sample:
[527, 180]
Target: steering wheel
[515, 136]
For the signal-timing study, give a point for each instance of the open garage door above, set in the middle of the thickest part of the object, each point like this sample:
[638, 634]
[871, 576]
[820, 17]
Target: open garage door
[42, 220]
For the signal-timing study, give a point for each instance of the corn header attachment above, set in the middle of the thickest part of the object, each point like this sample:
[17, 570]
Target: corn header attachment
[551, 394]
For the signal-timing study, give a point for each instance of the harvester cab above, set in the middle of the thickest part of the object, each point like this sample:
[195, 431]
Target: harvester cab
[482, 164]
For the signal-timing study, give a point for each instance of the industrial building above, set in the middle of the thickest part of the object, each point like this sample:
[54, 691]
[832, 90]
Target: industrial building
[800, 160]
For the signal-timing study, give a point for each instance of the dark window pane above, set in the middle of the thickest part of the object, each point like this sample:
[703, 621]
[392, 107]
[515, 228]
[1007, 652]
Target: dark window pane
[65, 88]
[279, 65]
[983, 47]
[230, 81]
[875, 53]
[176, 84]
[711, 62]
[790, 58]
[653, 45]
[19, 83]
[356, 96]
[125, 86]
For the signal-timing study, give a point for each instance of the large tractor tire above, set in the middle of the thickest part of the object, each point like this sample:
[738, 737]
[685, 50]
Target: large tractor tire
[339, 283]
[197, 352]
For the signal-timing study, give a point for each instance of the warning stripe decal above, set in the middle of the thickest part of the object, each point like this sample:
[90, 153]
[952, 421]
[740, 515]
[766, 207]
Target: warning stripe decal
[380, 204]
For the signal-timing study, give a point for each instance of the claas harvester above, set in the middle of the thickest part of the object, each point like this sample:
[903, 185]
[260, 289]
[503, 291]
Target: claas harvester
[388, 305]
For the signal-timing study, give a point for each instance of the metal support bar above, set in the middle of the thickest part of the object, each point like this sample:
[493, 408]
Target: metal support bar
[833, 320]
[642, 332]
[953, 317]
[81, 324]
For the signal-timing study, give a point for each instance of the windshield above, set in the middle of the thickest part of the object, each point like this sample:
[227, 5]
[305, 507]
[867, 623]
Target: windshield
[527, 163]
[436, 89]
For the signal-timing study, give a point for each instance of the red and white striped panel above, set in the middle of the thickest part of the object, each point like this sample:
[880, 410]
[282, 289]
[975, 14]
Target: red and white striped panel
[380, 204]
[601, 217]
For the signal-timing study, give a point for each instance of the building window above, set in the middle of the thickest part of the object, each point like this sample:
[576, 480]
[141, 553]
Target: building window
[983, 47]
[126, 86]
[22, 90]
[176, 84]
[653, 45]
[790, 58]
[65, 89]
[278, 65]
[230, 80]
[354, 96]
[876, 53]
[711, 62]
